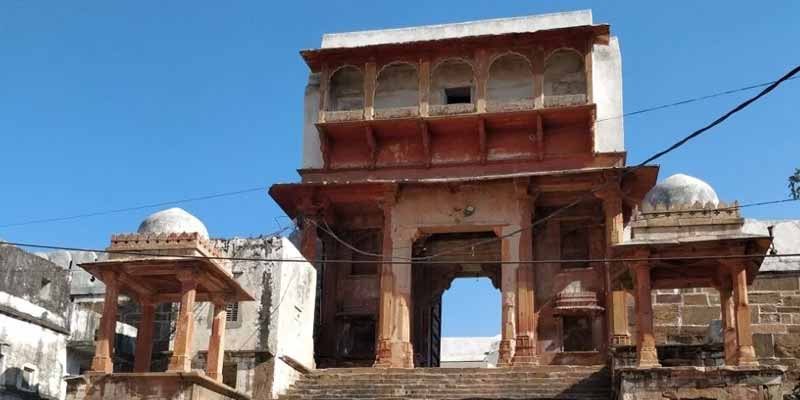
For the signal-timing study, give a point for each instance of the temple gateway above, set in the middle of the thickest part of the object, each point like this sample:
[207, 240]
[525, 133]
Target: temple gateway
[487, 149]
[495, 149]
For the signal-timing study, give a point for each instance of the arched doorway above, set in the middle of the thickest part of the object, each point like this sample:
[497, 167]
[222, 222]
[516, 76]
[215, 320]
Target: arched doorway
[453, 255]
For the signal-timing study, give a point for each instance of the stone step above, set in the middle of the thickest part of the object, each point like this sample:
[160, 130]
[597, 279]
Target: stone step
[540, 383]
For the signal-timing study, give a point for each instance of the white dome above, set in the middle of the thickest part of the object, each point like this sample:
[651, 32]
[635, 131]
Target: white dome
[680, 189]
[173, 220]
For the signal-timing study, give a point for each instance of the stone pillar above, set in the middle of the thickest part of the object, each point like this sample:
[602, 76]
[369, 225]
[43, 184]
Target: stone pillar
[394, 347]
[402, 349]
[746, 355]
[538, 77]
[182, 347]
[424, 86]
[616, 308]
[619, 318]
[370, 81]
[144, 337]
[216, 343]
[481, 79]
[525, 349]
[508, 288]
[731, 345]
[103, 361]
[646, 355]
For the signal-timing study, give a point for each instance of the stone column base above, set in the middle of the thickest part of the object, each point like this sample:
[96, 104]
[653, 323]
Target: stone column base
[393, 354]
[504, 353]
[746, 357]
[647, 358]
[525, 352]
[180, 364]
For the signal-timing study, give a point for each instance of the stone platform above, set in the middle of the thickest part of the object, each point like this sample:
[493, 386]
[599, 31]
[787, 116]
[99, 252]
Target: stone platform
[150, 385]
[720, 383]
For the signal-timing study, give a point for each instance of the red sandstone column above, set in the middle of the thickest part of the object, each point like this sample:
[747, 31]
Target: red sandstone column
[525, 349]
[216, 343]
[616, 308]
[402, 350]
[182, 348]
[103, 361]
[383, 356]
[731, 345]
[746, 355]
[144, 337]
[647, 356]
[508, 287]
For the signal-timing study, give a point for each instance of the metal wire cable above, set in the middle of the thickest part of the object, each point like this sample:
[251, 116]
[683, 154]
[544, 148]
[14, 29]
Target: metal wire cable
[771, 86]
[434, 262]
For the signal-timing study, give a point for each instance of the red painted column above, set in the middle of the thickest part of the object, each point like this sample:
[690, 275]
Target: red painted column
[216, 343]
[144, 337]
[525, 349]
[103, 361]
[182, 348]
[646, 355]
[746, 355]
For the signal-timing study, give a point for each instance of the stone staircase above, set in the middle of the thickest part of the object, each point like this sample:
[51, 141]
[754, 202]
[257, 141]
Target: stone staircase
[545, 382]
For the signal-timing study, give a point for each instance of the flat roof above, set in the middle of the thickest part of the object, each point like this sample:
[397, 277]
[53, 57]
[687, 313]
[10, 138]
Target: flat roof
[498, 26]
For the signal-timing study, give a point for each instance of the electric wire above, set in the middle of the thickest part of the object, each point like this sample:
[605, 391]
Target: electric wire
[771, 86]
[233, 193]
[338, 261]
[134, 208]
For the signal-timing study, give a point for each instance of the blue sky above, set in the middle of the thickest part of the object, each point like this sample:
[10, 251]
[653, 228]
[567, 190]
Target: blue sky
[107, 105]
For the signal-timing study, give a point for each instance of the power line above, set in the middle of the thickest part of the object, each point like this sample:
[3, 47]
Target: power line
[433, 262]
[233, 193]
[134, 208]
[692, 100]
[725, 116]
[590, 194]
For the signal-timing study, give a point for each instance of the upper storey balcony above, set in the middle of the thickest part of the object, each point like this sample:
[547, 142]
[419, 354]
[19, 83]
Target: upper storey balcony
[428, 106]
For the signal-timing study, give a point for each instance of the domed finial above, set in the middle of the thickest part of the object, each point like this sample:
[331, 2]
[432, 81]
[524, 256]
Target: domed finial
[681, 190]
[173, 220]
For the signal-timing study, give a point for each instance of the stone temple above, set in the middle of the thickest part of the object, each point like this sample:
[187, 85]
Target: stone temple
[490, 149]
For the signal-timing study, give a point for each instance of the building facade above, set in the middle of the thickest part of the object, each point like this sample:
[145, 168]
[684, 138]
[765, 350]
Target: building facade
[34, 326]
[496, 149]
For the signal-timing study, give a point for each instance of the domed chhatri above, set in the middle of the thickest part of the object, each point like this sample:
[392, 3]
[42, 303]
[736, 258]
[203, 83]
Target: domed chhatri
[681, 190]
[173, 220]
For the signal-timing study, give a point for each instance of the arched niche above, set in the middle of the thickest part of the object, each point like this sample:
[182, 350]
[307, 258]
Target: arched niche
[452, 82]
[510, 80]
[564, 79]
[346, 89]
[397, 86]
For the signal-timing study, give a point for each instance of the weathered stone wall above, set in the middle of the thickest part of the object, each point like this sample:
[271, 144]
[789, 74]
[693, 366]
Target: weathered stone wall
[34, 325]
[684, 317]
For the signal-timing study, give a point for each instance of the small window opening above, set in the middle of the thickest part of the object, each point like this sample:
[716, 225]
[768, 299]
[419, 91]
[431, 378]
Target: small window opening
[458, 95]
[232, 312]
[44, 288]
[577, 333]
